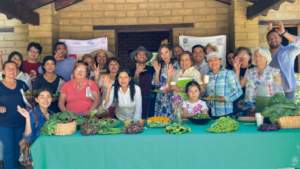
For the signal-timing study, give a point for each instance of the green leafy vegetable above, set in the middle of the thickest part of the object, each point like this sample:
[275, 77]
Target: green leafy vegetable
[110, 131]
[200, 116]
[108, 122]
[278, 107]
[224, 125]
[176, 128]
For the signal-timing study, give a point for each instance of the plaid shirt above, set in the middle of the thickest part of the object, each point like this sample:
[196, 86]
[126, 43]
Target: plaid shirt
[224, 83]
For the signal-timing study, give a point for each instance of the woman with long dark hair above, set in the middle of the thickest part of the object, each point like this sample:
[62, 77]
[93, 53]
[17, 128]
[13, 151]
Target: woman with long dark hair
[163, 106]
[126, 94]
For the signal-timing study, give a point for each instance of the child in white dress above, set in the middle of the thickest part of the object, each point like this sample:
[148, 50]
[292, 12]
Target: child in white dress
[193, 105]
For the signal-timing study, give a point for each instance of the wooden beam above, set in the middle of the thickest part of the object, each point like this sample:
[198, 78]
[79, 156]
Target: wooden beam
[261, 7]
[60, 4]
[11, 9]
[228, 2]
[144, 27]
[253, 1]
[275, 22]
[7, 30]
[276, 7]
[34, 4]
[291, 1]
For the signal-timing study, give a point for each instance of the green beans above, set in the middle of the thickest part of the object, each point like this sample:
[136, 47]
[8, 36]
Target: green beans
[224, 125]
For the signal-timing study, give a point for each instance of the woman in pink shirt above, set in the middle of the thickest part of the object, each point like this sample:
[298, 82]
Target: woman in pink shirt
[75, 91]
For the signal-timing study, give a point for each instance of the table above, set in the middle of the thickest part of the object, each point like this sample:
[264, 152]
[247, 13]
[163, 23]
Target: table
[246, 148]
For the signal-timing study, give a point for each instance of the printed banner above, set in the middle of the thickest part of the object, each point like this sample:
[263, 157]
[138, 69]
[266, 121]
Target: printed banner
[218, 42]
[77, 48]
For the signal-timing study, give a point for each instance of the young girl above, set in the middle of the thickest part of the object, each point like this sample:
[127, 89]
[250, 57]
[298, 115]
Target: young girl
[36, 119]
[194, 105]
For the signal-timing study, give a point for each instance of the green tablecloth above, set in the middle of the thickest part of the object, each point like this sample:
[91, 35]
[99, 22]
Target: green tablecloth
[245, 149]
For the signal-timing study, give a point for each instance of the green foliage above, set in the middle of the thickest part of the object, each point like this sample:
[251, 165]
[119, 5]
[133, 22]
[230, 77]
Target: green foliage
[200, 116]
[224, 125]
[278, 107]
[176, 128]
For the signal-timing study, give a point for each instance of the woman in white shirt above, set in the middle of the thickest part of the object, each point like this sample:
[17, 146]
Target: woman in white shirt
[21, 75]
[127, 96]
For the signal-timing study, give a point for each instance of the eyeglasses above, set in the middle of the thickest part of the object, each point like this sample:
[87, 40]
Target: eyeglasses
[35, 52]
[242, 55]
[80, 70]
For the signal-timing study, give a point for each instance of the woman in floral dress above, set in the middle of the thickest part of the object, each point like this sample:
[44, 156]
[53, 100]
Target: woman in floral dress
[163, 105]
[257, 75]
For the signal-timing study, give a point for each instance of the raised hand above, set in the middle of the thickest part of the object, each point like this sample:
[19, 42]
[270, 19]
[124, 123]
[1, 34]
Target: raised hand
[165, 41]
[96, 71]
[281, 28]
[59, 55]
[23, 112]
[237, 62]
[156, 66]
[107, 82]
[0, 53]
[139, 69]
[2, 109]
[170, 70]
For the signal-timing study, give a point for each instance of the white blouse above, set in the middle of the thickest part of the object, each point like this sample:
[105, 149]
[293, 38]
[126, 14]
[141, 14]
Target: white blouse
[125, 108]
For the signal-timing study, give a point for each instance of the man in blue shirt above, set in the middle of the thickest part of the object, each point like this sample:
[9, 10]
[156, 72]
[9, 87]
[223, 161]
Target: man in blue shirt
[64, 64]
[283, 57]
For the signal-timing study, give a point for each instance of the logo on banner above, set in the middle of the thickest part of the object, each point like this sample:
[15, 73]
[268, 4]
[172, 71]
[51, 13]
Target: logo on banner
[220, 41]
[76, 43]
[185, 40]
[90, 42]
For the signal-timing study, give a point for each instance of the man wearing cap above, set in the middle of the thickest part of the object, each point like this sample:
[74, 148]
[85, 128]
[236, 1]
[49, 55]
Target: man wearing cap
[223, 83]
[283, 58]
[199, 52]
[142, 77]
[64, 64]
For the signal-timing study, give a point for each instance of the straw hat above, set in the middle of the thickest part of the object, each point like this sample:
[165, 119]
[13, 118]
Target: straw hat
[139, 49]
[108, 53]
[215, 48]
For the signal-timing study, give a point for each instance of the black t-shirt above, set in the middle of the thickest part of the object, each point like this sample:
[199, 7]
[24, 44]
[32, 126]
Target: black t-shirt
[40, 81]
[10, 99]
[145, 79]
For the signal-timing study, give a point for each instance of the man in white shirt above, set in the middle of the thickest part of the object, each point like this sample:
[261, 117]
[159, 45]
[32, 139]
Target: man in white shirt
[199, 52]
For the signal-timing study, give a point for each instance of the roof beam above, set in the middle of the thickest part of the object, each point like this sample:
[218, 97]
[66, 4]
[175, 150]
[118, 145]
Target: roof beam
[13, 10]
[228, 2]
[60, 4]
[261, 7]
[34, 4]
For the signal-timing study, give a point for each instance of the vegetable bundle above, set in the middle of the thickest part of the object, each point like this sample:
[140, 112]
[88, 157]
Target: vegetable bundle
[64, 117]
[132, 128]
[268, 127]
[176, 128]
[224, 125]
[200, 116]
[278, 107]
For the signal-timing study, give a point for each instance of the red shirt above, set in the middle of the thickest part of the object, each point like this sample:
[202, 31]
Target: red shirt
[31, 69]
[78, 102]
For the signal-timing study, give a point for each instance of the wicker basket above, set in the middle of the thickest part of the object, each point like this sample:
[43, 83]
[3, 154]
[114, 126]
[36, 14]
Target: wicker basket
[65, 129]
[298, 113]
[289, 122]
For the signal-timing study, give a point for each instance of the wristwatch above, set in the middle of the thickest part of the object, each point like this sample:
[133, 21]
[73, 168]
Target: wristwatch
[284, 33]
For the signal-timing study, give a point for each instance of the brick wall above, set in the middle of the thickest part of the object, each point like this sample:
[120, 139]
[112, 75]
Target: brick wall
[130, 41]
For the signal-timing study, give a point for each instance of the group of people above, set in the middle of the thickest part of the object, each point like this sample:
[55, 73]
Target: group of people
[98, 83]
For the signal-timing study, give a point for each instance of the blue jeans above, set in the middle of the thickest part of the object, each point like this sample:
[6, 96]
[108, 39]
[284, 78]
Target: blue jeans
[10, 137]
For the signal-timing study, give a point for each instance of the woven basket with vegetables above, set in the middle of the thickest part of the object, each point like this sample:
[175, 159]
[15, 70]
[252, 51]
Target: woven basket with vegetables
[282, 111]
[61, 124]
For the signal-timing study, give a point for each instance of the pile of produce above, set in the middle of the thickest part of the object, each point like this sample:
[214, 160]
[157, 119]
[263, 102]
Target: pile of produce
[278, 107]
[176, 128]
[268, 127]
[64, 117]
[224, 125]
[108, 130]
[132, 128]
[200, 116]
[108, 122]
[158, 122]
[90, 127]
[141, 122]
